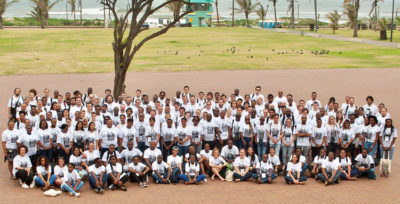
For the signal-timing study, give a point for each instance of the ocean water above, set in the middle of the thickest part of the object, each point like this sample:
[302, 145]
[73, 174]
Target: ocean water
[93, 9]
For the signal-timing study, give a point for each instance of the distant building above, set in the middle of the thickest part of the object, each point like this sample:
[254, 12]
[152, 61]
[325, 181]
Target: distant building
[202, 13]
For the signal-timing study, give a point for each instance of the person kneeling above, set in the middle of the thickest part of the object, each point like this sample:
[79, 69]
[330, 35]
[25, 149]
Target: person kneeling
[192, 169]
[265, 170]
[161, 171]
[97, 176]
[330, 173]
[138, 172]
[294, 172]
[71, 181]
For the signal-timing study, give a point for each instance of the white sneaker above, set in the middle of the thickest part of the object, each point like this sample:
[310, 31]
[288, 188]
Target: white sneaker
[25, 186]
[32, 184]
[20, 181]
[77, 195]
[205, 180]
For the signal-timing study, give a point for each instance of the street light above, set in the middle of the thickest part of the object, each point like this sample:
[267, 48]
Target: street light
[316, 16]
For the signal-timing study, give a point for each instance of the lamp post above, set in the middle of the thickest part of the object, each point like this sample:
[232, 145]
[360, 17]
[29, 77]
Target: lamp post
[316, 16]
[391, 25]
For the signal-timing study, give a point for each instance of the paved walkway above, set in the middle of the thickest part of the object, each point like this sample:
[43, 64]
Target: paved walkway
[337, 37]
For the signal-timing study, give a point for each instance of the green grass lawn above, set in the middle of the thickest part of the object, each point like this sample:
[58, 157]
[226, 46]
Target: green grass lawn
[362, 34]
[35, 51]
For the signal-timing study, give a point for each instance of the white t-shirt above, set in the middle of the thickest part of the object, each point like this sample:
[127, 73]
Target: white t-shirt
[274, 160]
[346, 136]
[223, 125]
[108, 136]
[10, 137]
[97, 171]
[318, 159]
[151, 135]
[288, 135]
[332, 133]
[71, 177]
[387, 136]
[343, 162]
[107, 156]
[236, 129]
[92, 137]
[318, 134]
[168, 133]
[30, 141]
[242, 164]
[183, 133]
[370, 110]
[192, 169]
[60, 171]
[174, 161]
[196, 132]
[44, 136]
[160, 168]
[23, 162]
[151, 155]
[91, 156]
[139, 167]
[329, 166]
[217, 161]
[261, 131]
[303, 141]
[294, 168]
[229, 153]
[371, 133]
[128, 155]
[77, 160]
[368, 160]
[264, 167]
[115, 169]
[275, 132]
[42, 170]
[209, 130]
[206, 154]
[64, 139]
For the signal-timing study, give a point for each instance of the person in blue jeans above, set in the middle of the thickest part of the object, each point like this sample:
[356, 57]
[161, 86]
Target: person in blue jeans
[294, 172]
[161, 171]
[242, 167]
[72, 182]
[174, 162]
[192, 170]
[97, 176]
[330, 172]
[265, 170]
[364, 165]
[43, 169]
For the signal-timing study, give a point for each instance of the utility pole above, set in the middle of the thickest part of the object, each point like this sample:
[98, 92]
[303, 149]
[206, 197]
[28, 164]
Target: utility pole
[316, 16]
[233, 13]
[391, 25]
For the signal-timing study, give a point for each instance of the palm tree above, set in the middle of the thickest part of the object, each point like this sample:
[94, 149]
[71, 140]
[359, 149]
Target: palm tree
[349, 12]
[291, 9]
[175, 7]
[262, 13]
[41, 11]
[274, 3]
[216, 9]
[247, 7]
[334, 18]
[72, 3]
[356, 9]
[374, 7]
[3, 6]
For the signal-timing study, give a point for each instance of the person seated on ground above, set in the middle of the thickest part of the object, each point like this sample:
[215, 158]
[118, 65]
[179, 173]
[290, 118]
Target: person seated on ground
[150, 154]
[218, 166]
[191, 151]
[116, 178]
[97, 176]
[44, 178]
[294, 171]
[59, 170]
[302, 161]
[317, 163]
[229, 152]
[72, 182]
[110, 152]
[365, 165]
[22, 168]
[175, 164]
[205, 155]
[76, 159]
[253, 160]
[138, 172]
[242, 167]
[344, 166]
[192, 170]
[128, 154]
[265, 170]
[90, 155]
[329, 170]
[161, 171]
[274, 159]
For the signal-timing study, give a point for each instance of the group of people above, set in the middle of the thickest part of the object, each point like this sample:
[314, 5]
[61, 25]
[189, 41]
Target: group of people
[61, 140]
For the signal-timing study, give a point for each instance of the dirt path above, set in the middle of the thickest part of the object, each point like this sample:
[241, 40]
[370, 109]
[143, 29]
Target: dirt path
[383, 84]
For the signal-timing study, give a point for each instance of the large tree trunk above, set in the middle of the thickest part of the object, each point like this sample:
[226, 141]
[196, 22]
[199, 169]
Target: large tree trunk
[42, 22]
[233, 13]
[276, 20]
[216, 8]
[1, 22]
[119, 81]
[292, 15]
[247, 19]
[357, 6]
